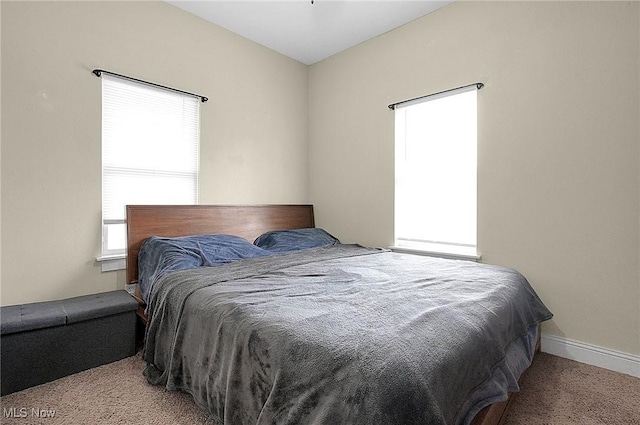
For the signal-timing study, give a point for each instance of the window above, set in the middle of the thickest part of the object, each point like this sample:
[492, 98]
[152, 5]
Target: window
[436, 167]
[150, 141]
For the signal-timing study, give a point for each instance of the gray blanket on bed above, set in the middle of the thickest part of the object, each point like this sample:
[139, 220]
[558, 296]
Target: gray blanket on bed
[337, 335]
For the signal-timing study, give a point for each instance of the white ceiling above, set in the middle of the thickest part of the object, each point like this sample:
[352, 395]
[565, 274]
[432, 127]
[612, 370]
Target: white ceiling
[309, 32]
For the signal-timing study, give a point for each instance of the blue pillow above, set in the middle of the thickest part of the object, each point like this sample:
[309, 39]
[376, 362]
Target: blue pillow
[159, 256]
[295, 240]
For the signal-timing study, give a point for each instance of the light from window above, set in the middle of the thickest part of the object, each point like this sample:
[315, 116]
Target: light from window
[436, 173]
[150, 139]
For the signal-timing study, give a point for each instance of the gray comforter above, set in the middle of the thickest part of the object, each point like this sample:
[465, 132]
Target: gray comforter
[341, 335]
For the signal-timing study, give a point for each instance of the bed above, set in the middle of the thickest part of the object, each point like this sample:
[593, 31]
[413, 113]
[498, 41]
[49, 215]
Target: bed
[333, 333]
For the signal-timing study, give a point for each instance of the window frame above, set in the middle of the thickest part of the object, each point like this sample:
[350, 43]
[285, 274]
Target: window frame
[424, 246]
[115, 259]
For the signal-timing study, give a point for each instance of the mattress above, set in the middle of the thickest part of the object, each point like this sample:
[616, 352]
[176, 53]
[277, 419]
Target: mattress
[342, 334]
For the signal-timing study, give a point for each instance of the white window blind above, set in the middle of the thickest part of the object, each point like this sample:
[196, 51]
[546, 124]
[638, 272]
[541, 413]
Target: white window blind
[436, 173]
[150, 143]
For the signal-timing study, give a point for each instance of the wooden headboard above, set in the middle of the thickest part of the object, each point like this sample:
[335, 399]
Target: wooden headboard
[246, 221]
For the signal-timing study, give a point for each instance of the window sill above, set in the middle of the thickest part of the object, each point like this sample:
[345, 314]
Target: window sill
[438, 250]
[112, 262]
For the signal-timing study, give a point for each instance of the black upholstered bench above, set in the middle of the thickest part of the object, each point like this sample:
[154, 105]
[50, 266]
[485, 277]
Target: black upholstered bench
[41, 342]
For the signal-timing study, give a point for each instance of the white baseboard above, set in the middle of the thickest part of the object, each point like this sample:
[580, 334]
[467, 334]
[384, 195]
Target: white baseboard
[591, 354]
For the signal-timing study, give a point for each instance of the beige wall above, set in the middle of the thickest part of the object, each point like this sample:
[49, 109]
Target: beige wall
[558, 148]
[253, 129]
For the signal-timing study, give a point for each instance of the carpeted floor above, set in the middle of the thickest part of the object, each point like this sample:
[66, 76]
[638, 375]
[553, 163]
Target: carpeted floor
[559, 391]
[555, 391]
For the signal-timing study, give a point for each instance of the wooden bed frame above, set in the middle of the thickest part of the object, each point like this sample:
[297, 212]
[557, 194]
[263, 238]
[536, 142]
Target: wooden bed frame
[246, 221]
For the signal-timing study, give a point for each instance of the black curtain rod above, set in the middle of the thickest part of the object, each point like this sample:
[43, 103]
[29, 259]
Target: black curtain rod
[99, 72]
[394, 105]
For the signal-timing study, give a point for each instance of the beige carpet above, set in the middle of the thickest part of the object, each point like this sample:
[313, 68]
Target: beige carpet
[555, 391]
[559, 391]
